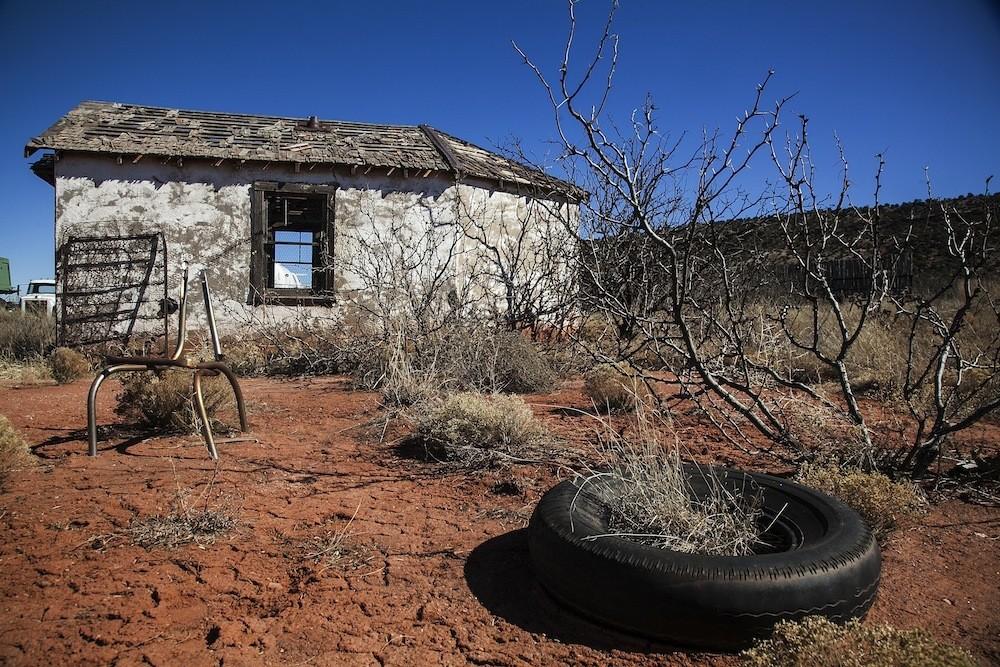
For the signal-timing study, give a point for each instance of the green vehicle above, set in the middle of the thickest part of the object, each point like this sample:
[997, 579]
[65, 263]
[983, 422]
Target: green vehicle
[5, 286]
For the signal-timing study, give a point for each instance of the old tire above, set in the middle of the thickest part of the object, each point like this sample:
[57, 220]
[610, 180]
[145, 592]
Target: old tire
[823, 560]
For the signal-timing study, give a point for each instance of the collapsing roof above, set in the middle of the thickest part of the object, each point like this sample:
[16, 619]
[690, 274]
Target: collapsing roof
[113, 128]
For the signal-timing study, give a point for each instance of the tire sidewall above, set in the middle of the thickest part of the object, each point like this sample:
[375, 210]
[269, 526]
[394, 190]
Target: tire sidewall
[703, 600]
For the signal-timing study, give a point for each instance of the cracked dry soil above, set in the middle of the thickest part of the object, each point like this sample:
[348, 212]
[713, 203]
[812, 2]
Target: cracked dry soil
[432, 570]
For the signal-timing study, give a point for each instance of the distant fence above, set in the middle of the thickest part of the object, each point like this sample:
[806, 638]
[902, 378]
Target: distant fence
[851, 276]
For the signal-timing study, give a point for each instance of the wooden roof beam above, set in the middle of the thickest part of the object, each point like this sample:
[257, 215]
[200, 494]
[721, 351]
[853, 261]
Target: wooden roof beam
[443, 148]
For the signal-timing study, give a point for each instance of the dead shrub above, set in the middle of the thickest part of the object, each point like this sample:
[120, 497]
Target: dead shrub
[652, 500]
[25, 336]
[611, 387]
[459, 357]
[166, 401]
[883, 503]
[816, 641]
[282, 342]
[404, 385]
[67, 365]
[478, 431]
[829, 436]
[14, 452]
[179, 528]
[514, 364]
[247, 357]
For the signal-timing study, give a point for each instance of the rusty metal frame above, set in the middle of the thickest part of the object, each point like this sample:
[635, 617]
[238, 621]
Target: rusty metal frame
[176, 360]
[157, 247]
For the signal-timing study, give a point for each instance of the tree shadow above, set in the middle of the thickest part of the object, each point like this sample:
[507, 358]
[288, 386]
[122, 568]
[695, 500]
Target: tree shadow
[499, 574]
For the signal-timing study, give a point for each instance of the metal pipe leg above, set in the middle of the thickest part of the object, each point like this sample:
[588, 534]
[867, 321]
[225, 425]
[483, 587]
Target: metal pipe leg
[92, 401]
[203, 413]
[240, 406]
[237, 392]
[92, 411]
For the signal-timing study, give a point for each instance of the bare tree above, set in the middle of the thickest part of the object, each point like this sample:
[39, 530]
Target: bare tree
[735, 291]
[402, 269]
[524, 255]
[952, 376]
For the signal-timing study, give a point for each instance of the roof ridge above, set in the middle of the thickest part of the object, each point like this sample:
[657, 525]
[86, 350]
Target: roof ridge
[242, 114]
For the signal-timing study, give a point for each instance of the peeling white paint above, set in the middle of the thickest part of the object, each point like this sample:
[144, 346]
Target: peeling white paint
[204, 212]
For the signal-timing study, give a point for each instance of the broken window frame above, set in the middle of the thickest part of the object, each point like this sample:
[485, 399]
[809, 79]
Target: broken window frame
[321, 292]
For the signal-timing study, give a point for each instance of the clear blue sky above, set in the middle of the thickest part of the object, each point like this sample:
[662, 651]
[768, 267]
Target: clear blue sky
[919, 80]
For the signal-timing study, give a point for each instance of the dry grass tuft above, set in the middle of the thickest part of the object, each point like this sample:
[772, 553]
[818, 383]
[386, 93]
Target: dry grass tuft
[479, 431]
[67, 365]
[817, 642]
[166, 401]
[612, 387]
[25, 336]
[403, 384]
[14, 452]
[25, 371]
[339, 550]
[654, 502]
[883, 503]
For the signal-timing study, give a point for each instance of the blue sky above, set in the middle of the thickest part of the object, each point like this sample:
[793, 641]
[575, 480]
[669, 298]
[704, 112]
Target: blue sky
[918, 80]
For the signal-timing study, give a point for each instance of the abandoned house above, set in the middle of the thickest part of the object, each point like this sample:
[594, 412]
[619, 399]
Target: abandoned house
[279, 210]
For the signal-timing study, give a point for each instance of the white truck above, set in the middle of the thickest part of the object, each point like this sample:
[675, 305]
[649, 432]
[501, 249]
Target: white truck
[40, 297]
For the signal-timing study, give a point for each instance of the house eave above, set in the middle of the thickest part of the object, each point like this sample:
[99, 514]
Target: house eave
[45, 168]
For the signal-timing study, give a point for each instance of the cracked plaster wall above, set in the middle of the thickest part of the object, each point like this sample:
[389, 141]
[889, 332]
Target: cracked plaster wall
[204, 212]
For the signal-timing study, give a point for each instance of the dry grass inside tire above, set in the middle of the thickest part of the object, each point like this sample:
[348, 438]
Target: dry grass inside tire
[652, 500]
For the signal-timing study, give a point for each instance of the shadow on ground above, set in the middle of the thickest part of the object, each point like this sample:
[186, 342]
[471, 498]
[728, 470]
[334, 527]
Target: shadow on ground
[499, 574]
[47, 449]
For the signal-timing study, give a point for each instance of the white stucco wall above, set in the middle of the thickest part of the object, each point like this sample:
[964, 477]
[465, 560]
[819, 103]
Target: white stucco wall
[204, 212]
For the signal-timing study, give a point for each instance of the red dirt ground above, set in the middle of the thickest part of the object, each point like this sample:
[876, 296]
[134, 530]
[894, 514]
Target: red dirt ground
[443, 576]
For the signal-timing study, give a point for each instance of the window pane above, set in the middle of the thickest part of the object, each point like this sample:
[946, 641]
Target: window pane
[293, 247]
[292, 275]
[285, 236]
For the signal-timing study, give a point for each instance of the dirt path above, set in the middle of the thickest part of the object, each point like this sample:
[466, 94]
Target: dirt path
[438, 572]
